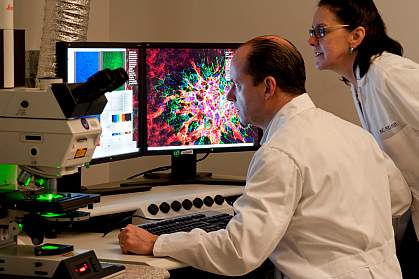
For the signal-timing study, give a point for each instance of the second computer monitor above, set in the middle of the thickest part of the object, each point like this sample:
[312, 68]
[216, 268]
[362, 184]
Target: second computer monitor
[77, 61]
[186, 98]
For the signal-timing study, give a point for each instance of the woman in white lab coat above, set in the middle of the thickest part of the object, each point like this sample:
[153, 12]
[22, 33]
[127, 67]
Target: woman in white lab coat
[349, 37]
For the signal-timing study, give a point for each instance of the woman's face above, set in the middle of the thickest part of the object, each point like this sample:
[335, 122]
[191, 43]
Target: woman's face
[331, 49]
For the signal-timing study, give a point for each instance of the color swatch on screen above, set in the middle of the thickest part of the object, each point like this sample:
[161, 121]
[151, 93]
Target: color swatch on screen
[121, 117]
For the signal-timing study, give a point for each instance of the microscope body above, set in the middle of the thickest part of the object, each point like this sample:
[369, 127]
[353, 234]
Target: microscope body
[35, 133]
[48, 133]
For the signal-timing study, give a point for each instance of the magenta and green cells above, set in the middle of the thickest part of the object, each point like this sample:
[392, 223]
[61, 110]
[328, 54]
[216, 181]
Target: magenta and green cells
[193, 103]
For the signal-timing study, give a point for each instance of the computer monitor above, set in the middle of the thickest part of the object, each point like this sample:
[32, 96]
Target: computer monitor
[76, 61]
[187, 111]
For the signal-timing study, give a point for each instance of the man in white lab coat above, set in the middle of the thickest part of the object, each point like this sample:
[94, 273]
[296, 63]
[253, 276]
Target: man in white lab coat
[319, 194]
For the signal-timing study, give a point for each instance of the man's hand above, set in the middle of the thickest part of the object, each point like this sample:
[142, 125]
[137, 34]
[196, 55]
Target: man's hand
[136, 240]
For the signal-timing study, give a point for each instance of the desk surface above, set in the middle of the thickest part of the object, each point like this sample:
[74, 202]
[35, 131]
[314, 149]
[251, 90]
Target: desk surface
[141, 272]
[107, 247]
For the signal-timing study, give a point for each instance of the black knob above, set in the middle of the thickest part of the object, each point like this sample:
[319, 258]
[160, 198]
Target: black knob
[187, 204]
[24, 104]
[37, 239]
[175, 205]
[164, 207]
[219, 199]
[153, 209]
[34, 151]
[208, 201]
[197, 202]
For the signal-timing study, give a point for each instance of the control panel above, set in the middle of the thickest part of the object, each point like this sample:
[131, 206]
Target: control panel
[170, 201]
[193, 203]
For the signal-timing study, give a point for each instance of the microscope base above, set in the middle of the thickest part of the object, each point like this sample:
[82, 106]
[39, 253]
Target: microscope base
[19, 261]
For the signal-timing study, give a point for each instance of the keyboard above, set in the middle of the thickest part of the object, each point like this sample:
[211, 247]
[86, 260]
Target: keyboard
[210, 221]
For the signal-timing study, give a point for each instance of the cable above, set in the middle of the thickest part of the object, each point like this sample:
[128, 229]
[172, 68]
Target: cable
[203, 158]
[163, 168]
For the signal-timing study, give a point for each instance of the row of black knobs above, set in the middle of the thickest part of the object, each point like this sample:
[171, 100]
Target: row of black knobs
[187, 204]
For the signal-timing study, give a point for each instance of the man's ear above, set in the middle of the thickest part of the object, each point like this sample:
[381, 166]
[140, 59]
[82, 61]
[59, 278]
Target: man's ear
[357, 36]
[270, 86]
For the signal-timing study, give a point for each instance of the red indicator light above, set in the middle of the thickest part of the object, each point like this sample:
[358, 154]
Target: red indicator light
[81, 269]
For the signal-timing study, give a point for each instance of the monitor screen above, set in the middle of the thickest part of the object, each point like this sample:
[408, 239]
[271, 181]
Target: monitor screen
[77, 61]
[186, 86]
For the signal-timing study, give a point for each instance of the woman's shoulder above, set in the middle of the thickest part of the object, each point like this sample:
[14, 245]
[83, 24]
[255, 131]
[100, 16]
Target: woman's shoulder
[389, 62]
[390, 66]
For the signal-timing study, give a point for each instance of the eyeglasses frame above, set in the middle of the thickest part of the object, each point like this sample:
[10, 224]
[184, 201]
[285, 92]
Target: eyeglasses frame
[322, 31]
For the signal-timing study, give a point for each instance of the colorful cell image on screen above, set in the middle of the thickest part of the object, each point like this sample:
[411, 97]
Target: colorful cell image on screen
[86, 63]
[187, 99]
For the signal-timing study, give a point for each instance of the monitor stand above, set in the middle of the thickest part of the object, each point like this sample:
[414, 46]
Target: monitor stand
[183, 171]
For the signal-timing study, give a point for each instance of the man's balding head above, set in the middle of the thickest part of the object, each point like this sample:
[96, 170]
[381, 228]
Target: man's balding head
[275, 56]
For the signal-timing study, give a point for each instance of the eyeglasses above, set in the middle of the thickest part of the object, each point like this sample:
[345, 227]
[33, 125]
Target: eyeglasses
[320, 31]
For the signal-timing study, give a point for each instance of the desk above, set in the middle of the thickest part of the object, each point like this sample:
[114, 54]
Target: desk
[142, 272]
[107, 247]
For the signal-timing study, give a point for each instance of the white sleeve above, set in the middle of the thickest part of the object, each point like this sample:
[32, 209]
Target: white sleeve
[400, 90]
[400, 194]
[263, 213]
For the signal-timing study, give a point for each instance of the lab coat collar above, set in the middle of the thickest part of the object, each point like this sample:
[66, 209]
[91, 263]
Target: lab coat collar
[362, 81]
[294, 107]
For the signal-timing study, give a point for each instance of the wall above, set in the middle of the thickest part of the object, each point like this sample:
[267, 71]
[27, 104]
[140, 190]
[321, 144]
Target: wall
[237, 21]
[224, 21]
[29, 15]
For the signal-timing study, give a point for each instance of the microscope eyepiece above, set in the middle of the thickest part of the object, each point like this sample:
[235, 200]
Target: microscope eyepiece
[81, 99]
[107, 80]
[101, 82]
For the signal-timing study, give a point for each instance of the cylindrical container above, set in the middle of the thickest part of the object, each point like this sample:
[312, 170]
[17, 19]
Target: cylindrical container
[64, 20]
[6, 27]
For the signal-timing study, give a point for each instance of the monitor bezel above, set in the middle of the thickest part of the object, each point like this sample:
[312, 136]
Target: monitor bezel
[185, 150]
[61, 72]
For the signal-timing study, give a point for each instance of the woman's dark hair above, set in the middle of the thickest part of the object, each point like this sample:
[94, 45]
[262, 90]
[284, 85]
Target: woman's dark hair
[364, 13]
[281, 61]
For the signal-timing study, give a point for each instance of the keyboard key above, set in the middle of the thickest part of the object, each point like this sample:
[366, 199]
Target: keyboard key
[187, 223]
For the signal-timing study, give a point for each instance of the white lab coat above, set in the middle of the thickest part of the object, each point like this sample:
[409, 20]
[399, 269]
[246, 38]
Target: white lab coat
[388, 107]
[316, 203]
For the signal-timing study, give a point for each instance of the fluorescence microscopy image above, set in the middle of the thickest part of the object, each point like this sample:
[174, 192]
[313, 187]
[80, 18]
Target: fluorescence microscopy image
[113, 59]
[87, 63]
[187, 98]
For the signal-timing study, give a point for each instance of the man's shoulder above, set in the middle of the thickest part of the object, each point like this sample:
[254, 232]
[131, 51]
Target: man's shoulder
[315, 126]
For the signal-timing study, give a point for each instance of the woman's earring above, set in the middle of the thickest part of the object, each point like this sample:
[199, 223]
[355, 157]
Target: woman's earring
[351, 50]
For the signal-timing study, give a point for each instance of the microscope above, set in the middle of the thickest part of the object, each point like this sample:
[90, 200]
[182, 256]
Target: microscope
[48, 133]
